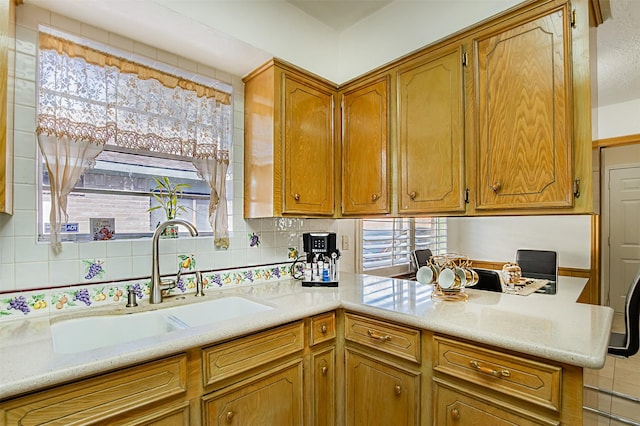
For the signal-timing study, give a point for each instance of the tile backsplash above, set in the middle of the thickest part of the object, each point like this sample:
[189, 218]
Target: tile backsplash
[26, 264]
[31, 304]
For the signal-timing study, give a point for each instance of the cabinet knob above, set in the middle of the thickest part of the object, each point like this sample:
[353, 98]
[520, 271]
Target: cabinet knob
[324, 370]
[296, 197]
[229, 416]
[374, 197]
[397, 389]
[413, 195]
[455, 414]
[323, 328]
[496, 187]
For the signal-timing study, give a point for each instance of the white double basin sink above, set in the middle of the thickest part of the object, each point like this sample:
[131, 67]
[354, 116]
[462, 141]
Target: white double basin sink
[92, 332]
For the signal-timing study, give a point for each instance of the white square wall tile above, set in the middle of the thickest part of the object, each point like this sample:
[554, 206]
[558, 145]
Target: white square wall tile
[26, 40]
[118, 268]
[24, 171]
[25, 224]
[69, 252]
[30, 275]
[27, 250]
[25, 66]
[31, 16]
[7, 277]
[118, 248]
[63, 272]
[67, 24]
[25, 92]
[141, 248]
[24, 197]
[141, 266]
[95, 34]
[92, 250]
[25, 118]
[24, 145]
[120, 42]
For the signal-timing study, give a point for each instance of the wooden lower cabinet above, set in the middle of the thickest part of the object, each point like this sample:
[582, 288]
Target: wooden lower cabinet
[275, 398]
[455, 406]
[111, 398]
[380, 392]
[323, 388]
[333, 368]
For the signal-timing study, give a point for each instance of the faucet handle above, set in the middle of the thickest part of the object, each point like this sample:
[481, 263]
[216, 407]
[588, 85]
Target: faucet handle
[199, 284]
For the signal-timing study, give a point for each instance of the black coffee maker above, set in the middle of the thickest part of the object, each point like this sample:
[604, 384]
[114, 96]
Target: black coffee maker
[321, 266]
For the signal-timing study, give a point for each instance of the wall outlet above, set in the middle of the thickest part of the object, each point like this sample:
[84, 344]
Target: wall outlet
[345, 242]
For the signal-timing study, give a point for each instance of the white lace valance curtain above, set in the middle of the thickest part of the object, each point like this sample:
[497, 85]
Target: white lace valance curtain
[90, 98]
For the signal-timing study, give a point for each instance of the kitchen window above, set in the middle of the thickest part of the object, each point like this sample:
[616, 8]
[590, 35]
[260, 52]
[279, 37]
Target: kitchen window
[387, 243]
[109, 124]
[120, 187]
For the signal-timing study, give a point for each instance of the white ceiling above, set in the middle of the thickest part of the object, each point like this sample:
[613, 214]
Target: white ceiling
[240, 35]
[339, 14]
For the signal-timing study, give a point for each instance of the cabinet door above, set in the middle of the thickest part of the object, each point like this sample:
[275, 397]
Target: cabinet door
[524, 115]
[309, 148]
[274, 399]
[380, 394]
[431, 135]
[323, 387]
[463, 408]
[365, 139]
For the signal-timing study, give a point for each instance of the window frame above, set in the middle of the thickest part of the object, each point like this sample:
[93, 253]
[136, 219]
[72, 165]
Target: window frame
[403, 267]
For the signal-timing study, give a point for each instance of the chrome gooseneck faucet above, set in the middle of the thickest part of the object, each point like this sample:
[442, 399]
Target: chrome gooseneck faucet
[157, 284]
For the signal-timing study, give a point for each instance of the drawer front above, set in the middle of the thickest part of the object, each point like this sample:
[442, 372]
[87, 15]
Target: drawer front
[99, 398]
[525, 379]
[323, 328]
[228, 359]
[459, 406]
[390, 338]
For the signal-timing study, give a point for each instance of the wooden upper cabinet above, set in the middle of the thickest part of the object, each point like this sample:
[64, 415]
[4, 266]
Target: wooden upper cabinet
[431, 134]
[309, 148]
[365, 142]
[290, 149]
[7, 43]
[524, 114]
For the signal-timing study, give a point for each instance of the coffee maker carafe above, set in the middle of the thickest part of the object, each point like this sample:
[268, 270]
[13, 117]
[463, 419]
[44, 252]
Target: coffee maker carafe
[321, 266]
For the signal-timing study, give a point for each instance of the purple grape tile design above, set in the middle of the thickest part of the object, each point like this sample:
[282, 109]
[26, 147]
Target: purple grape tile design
[93, 268]
[23, 304]
[254, 240]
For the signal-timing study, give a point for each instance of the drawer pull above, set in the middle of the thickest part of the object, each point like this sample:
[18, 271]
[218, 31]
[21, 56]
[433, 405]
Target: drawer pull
[229, 416]
[378, 336]
[374, 197]
[323, 328]
[296, 197]
[455, 414]
[397, 389]
[413, 195]
[487, 370]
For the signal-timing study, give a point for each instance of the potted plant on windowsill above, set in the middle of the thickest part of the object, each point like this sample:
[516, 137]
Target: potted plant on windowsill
[167, 194]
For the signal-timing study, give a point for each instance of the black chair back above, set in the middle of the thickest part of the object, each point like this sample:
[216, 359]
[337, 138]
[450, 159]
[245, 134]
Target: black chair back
[538, 263]
[421, 258]
[627, 344]
[488, 280]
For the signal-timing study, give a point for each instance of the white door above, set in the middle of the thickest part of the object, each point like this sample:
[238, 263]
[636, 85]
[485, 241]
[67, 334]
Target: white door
[624, 232]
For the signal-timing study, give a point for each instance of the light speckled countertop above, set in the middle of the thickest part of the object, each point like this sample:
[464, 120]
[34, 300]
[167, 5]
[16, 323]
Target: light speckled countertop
[547, 326]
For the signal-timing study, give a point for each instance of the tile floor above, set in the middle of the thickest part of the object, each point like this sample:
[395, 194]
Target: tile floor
[620, 375]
